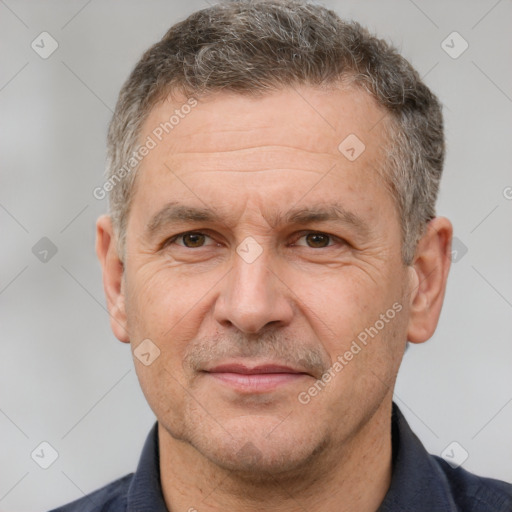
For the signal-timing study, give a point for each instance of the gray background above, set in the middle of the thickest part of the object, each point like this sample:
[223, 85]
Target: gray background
[66, 380]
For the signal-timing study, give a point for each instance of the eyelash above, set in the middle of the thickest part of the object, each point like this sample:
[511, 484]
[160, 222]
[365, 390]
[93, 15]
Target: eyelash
[172, 240]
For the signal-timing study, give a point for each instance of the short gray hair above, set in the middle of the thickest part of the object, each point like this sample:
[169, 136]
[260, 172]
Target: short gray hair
[254, 47]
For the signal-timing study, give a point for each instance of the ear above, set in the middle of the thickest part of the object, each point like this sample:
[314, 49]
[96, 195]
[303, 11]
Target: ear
[113, 271]
[429, 275]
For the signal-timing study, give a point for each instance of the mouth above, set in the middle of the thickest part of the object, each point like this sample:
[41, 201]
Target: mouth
[255, 379]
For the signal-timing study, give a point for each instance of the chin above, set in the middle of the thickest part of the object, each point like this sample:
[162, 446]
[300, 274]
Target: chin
[259, 448]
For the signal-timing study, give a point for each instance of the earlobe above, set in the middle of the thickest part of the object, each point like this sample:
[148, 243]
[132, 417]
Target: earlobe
[429, 274]
[113, 274]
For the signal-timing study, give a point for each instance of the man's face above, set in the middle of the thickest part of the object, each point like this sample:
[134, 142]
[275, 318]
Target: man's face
[252, 306]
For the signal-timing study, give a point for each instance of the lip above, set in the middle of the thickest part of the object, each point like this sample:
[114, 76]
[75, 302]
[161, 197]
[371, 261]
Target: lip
[255, 379]
[254, 370]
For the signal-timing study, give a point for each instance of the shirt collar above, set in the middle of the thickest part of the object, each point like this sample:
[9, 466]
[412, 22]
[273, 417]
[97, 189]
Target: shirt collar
[145, 491]
[417, 482]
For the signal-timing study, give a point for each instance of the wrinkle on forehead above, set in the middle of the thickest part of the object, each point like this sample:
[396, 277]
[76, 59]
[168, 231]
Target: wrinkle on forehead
[260, 158]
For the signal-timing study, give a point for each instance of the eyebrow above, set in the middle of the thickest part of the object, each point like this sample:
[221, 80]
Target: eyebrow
[175, 212]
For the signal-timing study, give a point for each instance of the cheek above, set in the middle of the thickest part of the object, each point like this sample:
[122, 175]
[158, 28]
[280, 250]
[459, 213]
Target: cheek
[157, 310]
[343, 302]
[168, 308]
[158, 297]
[361, 324]
[163, 388]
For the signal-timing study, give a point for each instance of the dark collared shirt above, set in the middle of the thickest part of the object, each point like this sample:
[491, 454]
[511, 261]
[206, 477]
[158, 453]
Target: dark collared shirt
[420, 483]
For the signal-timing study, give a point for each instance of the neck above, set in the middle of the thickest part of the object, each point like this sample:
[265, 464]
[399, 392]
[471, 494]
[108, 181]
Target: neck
[354, 477]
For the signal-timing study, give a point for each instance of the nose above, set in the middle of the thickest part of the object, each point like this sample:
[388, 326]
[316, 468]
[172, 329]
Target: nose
[252, 296]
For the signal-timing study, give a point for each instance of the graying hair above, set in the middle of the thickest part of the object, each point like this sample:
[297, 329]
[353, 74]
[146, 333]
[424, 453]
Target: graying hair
[256, 47]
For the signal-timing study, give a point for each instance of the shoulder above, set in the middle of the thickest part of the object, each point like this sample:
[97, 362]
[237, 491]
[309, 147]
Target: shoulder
[110, 498]
[473, 493]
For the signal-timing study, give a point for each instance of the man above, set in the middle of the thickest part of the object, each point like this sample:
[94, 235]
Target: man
[271, 248]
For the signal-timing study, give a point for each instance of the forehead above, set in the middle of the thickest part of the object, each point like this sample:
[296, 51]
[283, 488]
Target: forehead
[318, 119]
[262, 150]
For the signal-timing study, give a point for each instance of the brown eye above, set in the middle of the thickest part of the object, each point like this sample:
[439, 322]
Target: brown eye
[193, 240]
[317, 240]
